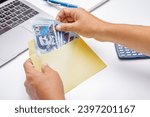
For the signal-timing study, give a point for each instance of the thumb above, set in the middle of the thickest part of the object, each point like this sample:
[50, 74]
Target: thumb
[46, 69]
[66, 27]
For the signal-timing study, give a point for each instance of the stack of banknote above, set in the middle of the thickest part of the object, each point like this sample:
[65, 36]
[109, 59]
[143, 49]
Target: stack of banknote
[47, 38]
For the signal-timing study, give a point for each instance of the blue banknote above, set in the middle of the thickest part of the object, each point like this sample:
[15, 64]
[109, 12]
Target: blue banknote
[47, 38]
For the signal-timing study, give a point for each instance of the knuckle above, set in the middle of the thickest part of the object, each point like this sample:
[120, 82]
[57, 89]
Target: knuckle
[25, 83]
[24, 65]
[29, 76]
[62, 11]
[64, 28]
[46, 67]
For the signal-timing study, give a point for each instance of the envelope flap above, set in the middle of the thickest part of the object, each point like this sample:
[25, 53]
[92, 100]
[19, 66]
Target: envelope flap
[75, 62]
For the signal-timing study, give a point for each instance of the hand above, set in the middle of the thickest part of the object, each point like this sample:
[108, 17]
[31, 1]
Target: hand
[82, 22]
[45, 85]
[85, 24]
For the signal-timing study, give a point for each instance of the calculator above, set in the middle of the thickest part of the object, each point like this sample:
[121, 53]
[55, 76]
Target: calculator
[126, 53]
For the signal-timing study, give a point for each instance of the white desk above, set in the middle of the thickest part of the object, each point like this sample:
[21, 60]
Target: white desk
[120, 80]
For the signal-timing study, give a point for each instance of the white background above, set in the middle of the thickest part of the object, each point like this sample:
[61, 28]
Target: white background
[120, 80]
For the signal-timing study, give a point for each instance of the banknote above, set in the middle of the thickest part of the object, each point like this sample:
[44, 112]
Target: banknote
[47, 38]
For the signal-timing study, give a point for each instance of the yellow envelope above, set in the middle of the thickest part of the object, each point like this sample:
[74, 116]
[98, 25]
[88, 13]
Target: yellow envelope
[75, 62]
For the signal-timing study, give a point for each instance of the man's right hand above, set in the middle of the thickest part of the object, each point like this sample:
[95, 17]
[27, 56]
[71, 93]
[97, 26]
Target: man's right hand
[82, 22]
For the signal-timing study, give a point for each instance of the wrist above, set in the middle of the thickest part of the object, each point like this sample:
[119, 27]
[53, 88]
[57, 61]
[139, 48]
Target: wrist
[105, 32]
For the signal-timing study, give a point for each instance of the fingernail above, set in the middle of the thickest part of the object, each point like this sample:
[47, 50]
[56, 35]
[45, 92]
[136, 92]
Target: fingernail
[58, 27]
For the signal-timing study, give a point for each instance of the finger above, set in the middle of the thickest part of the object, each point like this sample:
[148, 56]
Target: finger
[30, 69]
[27, 85]
[62, 14]
[28, 65]
[30, 90]
[60, 18]
[66, 12]
[70, 19]
[64, 20]
[46, 69]
[66, 27]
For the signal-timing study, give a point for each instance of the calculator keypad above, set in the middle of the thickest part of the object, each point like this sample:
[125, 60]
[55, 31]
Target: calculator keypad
[126, 53]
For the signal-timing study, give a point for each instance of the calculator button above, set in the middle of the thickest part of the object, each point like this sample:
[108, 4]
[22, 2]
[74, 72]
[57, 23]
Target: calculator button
[122, 55]
[134, 52]
[140, 54]
[122, 52]
[120, 47]
[128, 54]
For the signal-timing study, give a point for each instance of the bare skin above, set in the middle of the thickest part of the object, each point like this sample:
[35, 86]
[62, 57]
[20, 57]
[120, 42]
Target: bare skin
[85, 24]
[47, 84]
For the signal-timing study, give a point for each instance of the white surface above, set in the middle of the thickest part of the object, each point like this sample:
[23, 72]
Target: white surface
[120, 80]
[89, 5]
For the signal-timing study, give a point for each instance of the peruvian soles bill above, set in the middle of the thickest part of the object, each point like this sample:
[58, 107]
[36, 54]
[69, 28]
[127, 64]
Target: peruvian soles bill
[47, 38]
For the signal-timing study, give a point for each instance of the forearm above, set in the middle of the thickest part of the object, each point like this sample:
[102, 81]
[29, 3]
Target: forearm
[85, 24]
[134, 37]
